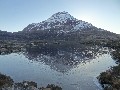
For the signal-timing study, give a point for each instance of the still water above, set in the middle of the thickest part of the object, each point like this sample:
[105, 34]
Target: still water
[72, 70]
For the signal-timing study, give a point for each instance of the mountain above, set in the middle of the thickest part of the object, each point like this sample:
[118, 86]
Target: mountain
[62, 21]
[63, 26]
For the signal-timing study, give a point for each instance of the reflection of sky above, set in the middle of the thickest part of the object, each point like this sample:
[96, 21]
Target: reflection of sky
[17, 14]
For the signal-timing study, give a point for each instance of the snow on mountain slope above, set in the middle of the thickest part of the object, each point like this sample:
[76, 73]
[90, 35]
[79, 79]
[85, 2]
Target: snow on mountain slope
[61, 21]
[61, 17]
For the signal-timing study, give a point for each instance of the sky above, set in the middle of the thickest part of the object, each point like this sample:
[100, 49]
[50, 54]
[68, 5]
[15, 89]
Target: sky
[15, 15]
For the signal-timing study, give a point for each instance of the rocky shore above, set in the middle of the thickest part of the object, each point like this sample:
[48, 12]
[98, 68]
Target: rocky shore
[110, 79]
[6, 83]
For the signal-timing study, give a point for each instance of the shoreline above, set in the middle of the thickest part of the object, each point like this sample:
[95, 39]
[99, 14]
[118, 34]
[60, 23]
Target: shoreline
[7, 83]
[110, 79]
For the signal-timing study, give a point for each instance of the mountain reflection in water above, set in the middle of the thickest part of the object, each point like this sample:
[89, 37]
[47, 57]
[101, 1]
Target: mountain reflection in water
[65, 60]
[72, 68]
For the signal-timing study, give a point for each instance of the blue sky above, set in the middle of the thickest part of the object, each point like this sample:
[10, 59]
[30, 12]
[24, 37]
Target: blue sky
[17, 14]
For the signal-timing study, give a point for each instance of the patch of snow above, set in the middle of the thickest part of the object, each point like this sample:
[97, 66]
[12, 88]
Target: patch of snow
[61, 17]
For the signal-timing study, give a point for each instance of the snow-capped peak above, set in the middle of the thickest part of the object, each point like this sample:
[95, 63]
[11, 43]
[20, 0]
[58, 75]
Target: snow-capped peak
[61, 21]
[60, 17]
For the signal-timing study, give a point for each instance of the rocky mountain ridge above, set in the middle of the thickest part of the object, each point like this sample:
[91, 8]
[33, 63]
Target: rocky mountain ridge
[61, 26]
[61, 21]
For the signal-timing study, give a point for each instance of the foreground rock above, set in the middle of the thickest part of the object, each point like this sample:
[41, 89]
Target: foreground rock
[6, 83]
[110, 80]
